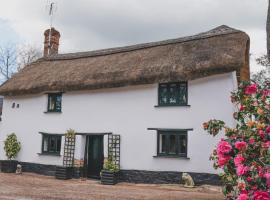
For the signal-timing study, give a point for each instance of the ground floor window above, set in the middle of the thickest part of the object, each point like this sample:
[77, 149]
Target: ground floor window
[51, 144]
[172, 143]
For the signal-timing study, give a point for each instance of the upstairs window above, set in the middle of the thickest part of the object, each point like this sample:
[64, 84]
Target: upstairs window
[55, 102]
[173, 94]
[51, 144]
[172, 143]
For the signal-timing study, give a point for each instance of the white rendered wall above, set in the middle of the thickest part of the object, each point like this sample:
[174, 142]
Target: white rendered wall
[127, 111]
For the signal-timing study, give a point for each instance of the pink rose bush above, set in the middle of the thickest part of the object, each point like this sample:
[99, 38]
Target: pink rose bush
[244, 153]
[251, 89]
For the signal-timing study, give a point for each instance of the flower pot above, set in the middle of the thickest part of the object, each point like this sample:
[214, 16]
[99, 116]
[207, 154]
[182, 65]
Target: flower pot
[8, 166]
[63, 173]
[109, 177]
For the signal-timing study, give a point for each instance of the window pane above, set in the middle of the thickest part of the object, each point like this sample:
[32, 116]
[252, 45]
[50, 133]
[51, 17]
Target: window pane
[163, 93]
[52, 145]
[173, 94]
[182, 144]
[45, 143]
[162, 143]
[51, 103]
[58, 103]
[172, 144]
[183, 93]
[58, 144]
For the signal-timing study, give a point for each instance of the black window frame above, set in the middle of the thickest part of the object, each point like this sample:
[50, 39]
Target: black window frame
[167, 134]
[50, 151]
[55, 97]
[178, 86]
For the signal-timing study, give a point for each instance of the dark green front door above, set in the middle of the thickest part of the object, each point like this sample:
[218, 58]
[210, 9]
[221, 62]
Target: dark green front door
[95, 156]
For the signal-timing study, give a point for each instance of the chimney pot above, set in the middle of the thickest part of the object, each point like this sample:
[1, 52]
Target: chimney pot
[51, 43]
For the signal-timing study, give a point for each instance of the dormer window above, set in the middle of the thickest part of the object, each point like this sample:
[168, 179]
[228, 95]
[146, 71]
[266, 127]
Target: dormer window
[173, 94]
[55, 102]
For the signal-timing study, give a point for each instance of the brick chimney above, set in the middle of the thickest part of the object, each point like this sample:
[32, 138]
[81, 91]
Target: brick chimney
[51, 44]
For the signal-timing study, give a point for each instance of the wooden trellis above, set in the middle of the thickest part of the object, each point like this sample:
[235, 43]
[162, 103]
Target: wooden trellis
[69, 150]
[114, 149]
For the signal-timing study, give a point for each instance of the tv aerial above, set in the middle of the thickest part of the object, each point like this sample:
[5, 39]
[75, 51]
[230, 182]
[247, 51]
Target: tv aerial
[51, 8]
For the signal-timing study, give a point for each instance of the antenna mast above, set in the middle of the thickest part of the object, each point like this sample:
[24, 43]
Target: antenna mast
[51, 7]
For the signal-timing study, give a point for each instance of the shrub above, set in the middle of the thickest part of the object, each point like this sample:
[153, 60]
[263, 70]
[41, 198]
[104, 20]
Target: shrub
[110, 165]
[12, 146]
[70, 133]
[244, 153]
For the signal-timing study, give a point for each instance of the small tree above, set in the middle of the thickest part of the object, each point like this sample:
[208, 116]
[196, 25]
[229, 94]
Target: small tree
[26, 55]
[263, 76]
[12, 146]
[244, 155]
[8, 61]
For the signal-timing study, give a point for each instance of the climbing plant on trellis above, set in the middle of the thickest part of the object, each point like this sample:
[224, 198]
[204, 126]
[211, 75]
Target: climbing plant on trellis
[114, 149]
[69, 148]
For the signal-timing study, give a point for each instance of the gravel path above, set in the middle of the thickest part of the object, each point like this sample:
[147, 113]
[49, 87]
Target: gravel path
[31, 186]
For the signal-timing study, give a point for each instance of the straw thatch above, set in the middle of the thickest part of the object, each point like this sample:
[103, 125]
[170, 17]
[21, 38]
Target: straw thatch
[218, 51]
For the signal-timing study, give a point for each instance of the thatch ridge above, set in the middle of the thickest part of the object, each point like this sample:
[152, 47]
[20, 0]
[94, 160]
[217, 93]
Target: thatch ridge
[220, 50]
[219, 31]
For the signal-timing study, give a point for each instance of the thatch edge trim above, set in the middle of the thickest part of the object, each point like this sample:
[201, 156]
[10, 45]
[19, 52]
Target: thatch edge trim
[119, 84]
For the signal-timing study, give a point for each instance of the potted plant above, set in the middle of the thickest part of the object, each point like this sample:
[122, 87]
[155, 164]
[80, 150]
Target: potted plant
[110, 172]
[12, 147]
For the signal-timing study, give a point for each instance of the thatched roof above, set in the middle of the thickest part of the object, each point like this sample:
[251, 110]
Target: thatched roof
[217, 51]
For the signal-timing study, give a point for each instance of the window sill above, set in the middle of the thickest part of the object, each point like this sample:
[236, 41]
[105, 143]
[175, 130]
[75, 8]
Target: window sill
[157, 106]
[57, 112]
[49, 154]
[172, 156]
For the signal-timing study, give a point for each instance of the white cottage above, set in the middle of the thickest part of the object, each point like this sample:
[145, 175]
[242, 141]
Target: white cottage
[152, 98]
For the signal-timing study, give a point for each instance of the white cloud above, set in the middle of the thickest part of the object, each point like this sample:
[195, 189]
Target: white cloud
[93, 24]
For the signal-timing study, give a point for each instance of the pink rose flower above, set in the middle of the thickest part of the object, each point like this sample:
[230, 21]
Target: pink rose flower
[266, 92]
[261, 195]
[267, 144]
[262, 133]
[241, 170]
[222, 160]
[251, 89]
[242, 108]
[240, 145]
[251, 141]
[242, 197]
[268, 128]
[249, 179]
[267, 176]
[238, 160]
[223, 147]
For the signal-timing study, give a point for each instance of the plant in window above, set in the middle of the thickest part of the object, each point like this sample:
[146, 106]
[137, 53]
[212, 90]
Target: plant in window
[12, 146]
[244, 155]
